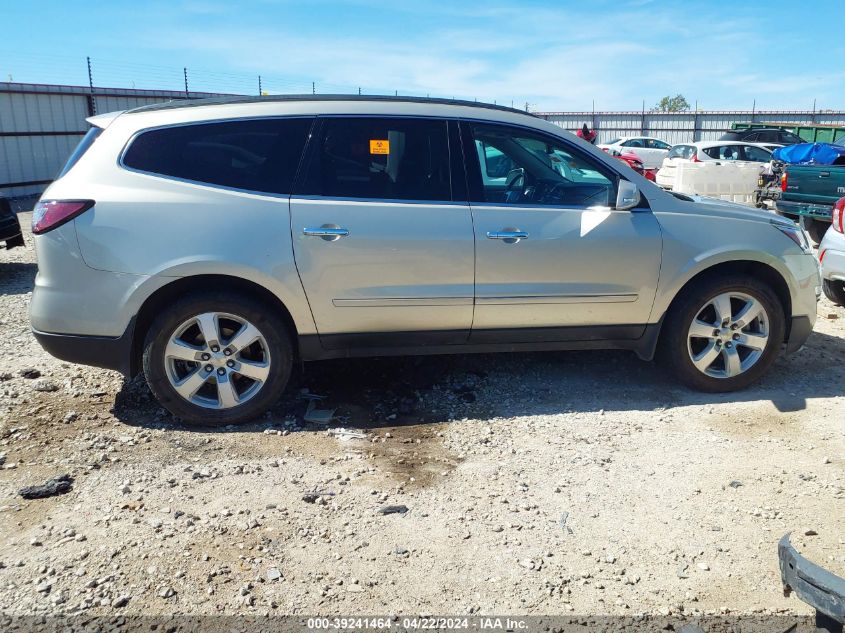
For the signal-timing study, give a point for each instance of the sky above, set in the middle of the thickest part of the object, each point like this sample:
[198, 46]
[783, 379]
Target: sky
[551, 55]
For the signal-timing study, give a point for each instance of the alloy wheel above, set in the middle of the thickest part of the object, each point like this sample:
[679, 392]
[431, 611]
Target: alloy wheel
[217, 360]
[728, 335]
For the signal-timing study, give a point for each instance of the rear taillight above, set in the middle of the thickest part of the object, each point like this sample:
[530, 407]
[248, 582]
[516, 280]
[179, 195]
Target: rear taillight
[694, 158]
[783, 180]
[838, 218]
[50, 214]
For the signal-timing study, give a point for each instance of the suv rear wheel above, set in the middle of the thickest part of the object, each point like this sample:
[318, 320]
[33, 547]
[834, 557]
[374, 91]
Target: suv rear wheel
[723, 334]
[217, 358]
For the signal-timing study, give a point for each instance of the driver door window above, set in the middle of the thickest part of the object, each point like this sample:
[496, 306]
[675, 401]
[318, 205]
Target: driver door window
[521, 168]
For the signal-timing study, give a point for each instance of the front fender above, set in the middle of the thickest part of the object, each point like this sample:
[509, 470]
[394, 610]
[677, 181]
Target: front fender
[694, 243]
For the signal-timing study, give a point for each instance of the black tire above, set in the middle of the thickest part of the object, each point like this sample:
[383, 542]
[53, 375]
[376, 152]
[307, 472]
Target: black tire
[834, 290]
[816, 229]
[261, 316]
[673, 350]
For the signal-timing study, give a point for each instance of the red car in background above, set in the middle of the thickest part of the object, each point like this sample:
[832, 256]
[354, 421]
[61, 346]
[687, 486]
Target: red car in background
[635, 162]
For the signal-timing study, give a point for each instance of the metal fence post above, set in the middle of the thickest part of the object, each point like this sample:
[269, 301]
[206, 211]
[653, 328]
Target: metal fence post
[642, 120]
[92, 100]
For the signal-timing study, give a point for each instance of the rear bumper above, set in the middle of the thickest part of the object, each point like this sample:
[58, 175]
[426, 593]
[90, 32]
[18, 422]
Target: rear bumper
[10, 231]
[816, 586]
[96, 351]
[832, 256]
[806, 209]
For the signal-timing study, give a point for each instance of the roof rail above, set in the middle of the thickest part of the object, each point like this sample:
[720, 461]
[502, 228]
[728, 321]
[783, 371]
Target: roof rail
[192, 103]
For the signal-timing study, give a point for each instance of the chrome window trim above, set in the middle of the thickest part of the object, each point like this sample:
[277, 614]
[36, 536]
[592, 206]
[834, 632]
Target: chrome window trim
[510, 207]
[372, 201]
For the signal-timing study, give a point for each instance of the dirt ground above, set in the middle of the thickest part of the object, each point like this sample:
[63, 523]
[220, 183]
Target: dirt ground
[586, 483]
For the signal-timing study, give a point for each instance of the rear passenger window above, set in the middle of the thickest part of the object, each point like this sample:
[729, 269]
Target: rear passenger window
[757, 154]
[723, 152]
[393, 159]
[257, 155]
[681, 151]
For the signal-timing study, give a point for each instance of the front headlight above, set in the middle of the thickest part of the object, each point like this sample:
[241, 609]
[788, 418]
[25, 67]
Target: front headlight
[795, 233]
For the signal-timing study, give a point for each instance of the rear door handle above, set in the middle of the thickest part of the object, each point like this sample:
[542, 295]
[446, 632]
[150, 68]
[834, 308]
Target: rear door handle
[509, 236]
[329, 232]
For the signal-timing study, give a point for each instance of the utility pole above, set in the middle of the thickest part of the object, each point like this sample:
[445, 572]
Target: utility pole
[92, 100]
[313, 88]
[185, 73]
[260, 91]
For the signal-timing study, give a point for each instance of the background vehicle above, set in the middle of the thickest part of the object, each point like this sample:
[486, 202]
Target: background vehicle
[808, 192]
[764, 135]
[704, 151]
[813, 584]
[634, 162]
[10, 228]
[832, 256]
[650, 150]
[807, 132]
[291, 228]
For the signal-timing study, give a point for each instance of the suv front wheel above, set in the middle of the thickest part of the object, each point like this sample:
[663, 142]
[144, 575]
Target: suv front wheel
[723, 334]
[217, 358]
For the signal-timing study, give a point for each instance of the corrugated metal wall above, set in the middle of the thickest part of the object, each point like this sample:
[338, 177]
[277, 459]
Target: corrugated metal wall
[41, 124]
[681, 127]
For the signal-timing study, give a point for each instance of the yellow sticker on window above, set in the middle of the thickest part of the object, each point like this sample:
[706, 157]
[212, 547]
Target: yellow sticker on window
[379, 146]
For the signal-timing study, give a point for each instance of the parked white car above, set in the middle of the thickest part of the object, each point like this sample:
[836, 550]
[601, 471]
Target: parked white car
[832, 256]
[651, 150]
[704, 151]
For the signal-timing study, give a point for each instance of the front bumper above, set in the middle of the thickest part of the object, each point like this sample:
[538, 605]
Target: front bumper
[97, 351]
[799, 332]
[812, 584]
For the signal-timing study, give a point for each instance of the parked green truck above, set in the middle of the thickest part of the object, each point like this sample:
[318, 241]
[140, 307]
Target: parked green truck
[808, 193]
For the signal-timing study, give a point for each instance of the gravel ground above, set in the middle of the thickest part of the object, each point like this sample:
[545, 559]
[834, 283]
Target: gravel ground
[591, 484]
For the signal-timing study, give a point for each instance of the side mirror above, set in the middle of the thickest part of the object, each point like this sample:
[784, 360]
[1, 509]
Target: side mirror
[627, 195]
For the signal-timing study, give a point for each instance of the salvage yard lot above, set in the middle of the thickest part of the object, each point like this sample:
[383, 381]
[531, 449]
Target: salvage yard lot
[534, 484]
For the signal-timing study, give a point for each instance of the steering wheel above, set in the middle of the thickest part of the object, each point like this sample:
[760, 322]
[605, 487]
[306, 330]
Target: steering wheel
[515, 179]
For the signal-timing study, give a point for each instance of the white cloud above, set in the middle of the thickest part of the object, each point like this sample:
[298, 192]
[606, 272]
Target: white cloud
[555, 58]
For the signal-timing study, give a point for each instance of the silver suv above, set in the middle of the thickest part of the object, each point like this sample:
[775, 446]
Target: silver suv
[214, 243]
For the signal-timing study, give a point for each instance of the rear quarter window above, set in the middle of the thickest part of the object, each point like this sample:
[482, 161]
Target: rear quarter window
[83, 146]
[257, 155]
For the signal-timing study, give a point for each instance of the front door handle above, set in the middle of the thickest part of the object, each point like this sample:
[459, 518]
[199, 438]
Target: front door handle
[329, 232]
[508, 235]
